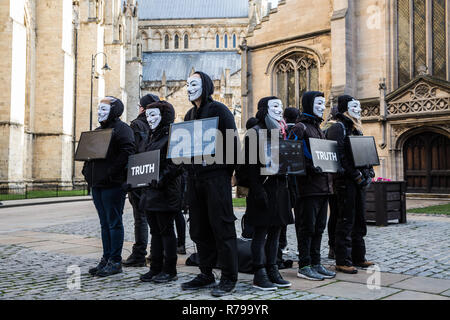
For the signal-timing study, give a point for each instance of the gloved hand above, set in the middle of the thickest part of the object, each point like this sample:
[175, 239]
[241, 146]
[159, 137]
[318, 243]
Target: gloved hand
[154, 184]
[363, 182]
[317, 170]
[371, 173]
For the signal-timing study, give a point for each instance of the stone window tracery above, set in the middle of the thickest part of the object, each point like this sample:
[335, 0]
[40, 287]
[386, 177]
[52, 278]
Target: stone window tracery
[294, 75]
[421, 39]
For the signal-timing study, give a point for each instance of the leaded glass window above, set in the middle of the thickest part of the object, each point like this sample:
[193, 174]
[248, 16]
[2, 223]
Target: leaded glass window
[166, 41]
[416, 52]
[177, 41]
[186, 41]
[294, 75]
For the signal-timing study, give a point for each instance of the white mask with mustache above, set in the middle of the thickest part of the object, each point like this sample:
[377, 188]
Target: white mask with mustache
[153, 117]
[194, 88]
[275, 109]
[103, 111]
[319, 106]
[354, 109]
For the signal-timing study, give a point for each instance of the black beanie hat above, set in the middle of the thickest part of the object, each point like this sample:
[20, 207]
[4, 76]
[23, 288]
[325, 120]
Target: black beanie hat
[147, 99]
[290, 114]
[343, 102]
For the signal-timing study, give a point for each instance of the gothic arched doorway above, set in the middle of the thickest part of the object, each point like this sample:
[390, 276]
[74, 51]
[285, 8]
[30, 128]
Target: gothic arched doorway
[426, 158]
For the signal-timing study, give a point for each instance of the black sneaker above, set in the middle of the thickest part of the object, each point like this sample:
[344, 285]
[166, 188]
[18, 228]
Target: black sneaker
[224, 287]
[148, 277]
[164, 277]
[99, 266]
[181, 249]
[261, 281]
[320, 269]
[199, 282]
[110, 269]
[276, 278]
[308, 273]
[134, 261]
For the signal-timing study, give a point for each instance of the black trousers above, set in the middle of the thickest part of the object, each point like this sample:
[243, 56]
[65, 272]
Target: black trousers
[212, 223]
[265, 250]
[351, 224]
[180, 225]
[163, 245]
[332, 221]
[140, 227]
[313, 220]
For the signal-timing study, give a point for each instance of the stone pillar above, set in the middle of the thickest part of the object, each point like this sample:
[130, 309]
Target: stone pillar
[342, 45]
[13, 45]
[53, 121]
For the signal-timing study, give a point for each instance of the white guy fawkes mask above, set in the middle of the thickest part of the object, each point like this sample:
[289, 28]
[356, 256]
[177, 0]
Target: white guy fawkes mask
[319, 106]
[194, 88]
[275, 109]
[153, 117]
[354, 109]
[103, 111]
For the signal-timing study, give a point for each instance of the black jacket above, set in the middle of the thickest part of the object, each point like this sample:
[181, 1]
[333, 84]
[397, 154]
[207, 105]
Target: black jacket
[208, 109]
[313, 184]
[141, 130]
[166, 196]
[112, 171]
[268, 201]
[340, 132]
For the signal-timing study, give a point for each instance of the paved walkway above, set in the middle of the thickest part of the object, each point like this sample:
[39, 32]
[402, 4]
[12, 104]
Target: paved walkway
[39, 244]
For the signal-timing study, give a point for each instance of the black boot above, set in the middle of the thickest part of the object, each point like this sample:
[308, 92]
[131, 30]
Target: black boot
[199, 282]
[134, 261]
[110, 269]
[276, 278]
[224, 287]
[99, 266]
[261, 280]
[148, 277]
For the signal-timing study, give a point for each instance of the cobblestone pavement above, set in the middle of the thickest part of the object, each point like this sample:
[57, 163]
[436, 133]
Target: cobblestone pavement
[419, 248]
[414, 259]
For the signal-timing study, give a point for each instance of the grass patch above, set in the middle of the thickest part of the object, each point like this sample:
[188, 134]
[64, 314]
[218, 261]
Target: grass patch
[43, 194]
[440, 209]
[239, 202]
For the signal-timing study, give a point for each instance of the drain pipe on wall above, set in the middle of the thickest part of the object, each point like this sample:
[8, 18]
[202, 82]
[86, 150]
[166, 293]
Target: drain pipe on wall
[75, 88]
[383, 112]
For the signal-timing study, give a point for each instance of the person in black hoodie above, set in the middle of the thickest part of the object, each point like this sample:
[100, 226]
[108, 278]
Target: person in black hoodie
[314, 189]
[106, 178]
[350, 249]
[209, 196]
[268, 203]
[162, 200]
[141, 130]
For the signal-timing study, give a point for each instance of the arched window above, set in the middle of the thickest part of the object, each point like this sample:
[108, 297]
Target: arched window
[295, 74]
[217, 41]
[234, 41]
[415, 55]
[186, 41]
[177, 42]
[225, 41]
[166, 41]
[138, 50]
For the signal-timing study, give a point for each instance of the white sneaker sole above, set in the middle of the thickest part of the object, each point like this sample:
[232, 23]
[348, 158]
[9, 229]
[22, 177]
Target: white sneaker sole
[283, 285]
[265, 289]
[299, 275]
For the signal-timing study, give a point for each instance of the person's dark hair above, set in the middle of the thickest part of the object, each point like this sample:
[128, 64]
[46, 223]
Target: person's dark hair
[290, 114]
[251, 122]
[147, 99]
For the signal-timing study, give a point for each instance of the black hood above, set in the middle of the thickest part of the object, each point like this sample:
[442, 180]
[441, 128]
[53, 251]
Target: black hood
[147, 99]
[343, 102]
[291, 114]
[115, 112]
[251, 122]
[263, 108]
[167, 113]
[207, 88]
[308, 101]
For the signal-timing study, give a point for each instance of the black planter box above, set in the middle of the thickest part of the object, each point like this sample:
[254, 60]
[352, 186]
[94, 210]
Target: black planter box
[386, 201]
